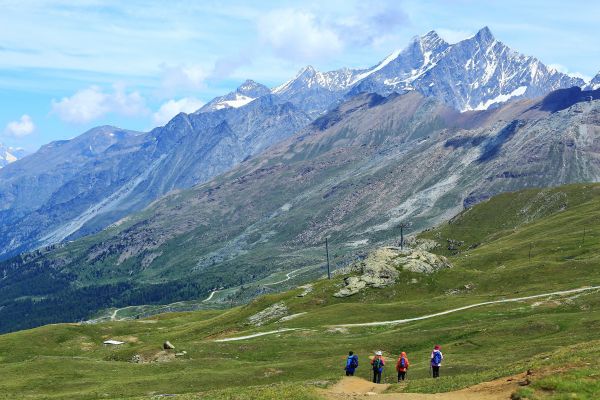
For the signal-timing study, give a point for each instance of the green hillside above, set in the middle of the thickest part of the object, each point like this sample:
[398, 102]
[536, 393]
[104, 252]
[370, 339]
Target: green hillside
[489, 246]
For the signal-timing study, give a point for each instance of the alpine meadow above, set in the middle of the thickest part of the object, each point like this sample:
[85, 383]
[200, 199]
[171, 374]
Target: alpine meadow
[424, 228]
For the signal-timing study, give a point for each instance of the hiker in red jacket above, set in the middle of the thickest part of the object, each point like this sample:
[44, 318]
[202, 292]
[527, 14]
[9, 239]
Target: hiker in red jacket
[378, 363]
[402, 366]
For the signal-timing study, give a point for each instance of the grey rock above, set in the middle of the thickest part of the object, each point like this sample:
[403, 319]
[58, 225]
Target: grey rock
[269, 314]
[168, 346]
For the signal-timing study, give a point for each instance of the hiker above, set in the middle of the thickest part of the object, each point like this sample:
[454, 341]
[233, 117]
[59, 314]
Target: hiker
[436, 360]
[378, 363]
[351, 364]
[402, 366]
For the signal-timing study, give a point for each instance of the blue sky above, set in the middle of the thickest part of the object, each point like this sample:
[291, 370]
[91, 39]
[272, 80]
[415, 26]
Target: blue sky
[67, 66]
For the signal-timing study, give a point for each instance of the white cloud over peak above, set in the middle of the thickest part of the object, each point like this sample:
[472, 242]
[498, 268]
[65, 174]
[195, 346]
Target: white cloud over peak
[452, 35]
[173, 107]
[184, 76]
[298, 35]
[93, 102]
[565, 70]
[23, 127]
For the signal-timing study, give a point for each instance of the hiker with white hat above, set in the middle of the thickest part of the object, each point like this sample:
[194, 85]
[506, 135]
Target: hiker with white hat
[378, 363]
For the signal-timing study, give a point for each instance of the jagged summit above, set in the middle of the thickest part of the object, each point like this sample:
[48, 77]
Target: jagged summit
[253, 89]
[484, 35]
[245, 93]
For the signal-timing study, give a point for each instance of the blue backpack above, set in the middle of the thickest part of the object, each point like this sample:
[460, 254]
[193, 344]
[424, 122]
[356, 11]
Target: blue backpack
[403, 362]
[352, 362]
[437, 357]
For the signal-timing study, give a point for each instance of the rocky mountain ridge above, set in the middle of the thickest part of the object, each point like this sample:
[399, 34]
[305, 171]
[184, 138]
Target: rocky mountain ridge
[351, 175]
[101, 176]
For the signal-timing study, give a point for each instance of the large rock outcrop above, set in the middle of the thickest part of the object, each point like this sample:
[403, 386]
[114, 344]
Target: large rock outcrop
[382, 268]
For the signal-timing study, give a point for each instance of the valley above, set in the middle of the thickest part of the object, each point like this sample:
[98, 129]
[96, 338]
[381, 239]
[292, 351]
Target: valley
[448, 195]
[543, 333]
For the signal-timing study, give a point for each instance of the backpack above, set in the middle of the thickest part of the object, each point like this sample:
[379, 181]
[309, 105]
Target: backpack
[402, 362]
[437, 358]
[377, 364]
[354, 362]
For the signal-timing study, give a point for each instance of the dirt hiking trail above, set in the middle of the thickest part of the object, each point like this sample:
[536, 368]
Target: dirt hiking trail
[358, 388]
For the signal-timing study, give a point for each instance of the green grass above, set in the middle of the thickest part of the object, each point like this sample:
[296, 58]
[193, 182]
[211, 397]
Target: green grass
[69, 361]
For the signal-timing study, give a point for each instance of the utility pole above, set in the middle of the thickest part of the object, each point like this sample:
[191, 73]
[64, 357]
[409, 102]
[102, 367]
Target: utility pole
[402, 225]
[327, 253]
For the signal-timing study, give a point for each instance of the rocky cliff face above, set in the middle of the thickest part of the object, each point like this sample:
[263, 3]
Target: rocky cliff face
[474, 74]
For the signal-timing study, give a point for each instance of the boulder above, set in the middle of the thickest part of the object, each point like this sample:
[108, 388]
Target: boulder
[382, 267]
[377, 270]
[168, 346]
[276, 311]
[423, 262]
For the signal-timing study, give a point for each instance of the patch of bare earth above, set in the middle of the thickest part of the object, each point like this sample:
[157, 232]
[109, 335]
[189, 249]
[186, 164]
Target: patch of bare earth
[357, 388]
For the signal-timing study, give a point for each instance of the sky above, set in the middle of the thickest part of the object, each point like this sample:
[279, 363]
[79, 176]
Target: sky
[68, 66]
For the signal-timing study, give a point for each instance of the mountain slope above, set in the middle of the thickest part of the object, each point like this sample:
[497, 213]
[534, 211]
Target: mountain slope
[352, 176]
[552, 336]
[71, 188]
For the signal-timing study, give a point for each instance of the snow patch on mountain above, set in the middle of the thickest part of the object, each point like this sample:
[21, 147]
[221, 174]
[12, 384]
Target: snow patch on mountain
[501, 98]
[239, 101]
[379, 66]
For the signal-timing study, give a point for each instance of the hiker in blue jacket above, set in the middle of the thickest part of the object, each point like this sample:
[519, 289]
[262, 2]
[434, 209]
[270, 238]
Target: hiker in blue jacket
[436, 361]
[351, 364]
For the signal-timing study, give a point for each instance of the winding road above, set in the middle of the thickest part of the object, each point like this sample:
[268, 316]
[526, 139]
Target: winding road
[289, 276]
[404, 321]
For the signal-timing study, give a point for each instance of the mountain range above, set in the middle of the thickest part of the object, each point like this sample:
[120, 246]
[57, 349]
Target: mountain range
[72, 188]
[352, 175]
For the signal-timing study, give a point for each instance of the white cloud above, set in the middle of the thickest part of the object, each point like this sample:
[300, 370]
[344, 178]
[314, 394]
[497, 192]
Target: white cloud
[565, 70]
[92, 103]
[452, 35]
[20, 128]
[171, 108]
[298, 35]
[184, 76]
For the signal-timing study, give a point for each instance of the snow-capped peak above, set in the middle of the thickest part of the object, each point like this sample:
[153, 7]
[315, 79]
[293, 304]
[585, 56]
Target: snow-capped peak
[378, 67]
[484, 35]
[252, 89]
[10, 154]
[594, 83]
[244, 94]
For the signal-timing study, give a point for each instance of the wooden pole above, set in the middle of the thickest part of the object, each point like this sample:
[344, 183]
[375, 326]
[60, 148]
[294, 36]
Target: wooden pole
[327, 253]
